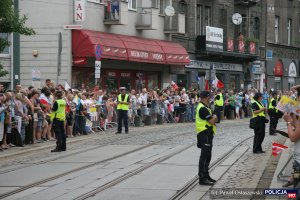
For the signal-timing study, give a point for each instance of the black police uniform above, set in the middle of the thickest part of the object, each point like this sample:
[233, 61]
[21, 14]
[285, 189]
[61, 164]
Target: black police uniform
[259, 131]
[205, 142]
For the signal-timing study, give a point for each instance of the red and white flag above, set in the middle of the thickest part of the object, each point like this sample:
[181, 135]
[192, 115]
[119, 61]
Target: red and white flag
[217, 83]
[174, 85]
[277, 148]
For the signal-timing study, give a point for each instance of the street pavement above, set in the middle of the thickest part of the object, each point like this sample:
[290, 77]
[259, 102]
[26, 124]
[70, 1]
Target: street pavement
[243, 169]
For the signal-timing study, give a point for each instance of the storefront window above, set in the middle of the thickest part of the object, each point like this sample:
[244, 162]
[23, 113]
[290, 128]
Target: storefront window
[111, 82]
[125, 80]
[152, 81]
[140, 81]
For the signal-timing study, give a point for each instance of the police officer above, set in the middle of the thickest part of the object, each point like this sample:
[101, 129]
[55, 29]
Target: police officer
[205, 129]
[122, 108]
[58, 116]
[260, 119]
[219, 103]
[273, 113]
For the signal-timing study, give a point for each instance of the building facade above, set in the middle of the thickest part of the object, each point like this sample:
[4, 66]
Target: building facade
[134, 40]
[283, 44]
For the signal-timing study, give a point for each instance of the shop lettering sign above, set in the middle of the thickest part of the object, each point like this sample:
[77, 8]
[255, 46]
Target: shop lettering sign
[125, 74]
[157, 56]
[79, 10]
[214, 34]
[139, 54]
[197, 64]
[292, 70]
[112, 74]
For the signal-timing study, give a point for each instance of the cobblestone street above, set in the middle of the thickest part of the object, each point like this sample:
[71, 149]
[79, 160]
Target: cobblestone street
[245, 171]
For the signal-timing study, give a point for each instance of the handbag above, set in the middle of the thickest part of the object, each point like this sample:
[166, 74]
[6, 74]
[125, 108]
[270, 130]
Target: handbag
[253, 123]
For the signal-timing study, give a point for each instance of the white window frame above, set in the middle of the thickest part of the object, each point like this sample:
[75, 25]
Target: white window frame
[289, 33]
[7, 55]
[130, 5]
[155, 4]
[276, 28]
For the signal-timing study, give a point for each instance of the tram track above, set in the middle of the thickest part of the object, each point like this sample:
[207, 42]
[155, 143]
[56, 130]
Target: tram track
[195, 181]
[111, 183]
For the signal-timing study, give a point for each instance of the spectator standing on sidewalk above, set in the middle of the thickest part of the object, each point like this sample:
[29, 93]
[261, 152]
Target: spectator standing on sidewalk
[205, 129]
[122, 108]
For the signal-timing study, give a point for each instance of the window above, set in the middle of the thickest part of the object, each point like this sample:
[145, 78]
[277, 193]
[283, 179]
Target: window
[289, 29]
[6, 49]
[162, 5]
[207, 16]
[276, 28]
[155, 3]
[256, 28]
[132, 4]
[182, 7]
[199, 20]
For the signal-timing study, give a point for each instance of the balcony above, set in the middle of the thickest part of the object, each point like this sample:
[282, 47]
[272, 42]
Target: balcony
[175, 24]
[246, 3]
[229, 47]
[147, 18]
[116, 15]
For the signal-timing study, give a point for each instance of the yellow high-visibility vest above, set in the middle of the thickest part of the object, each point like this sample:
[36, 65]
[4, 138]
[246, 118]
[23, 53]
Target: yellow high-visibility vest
[271, 106]
[259, 114]
[60, 113]
[123, 106]
[202, 125]
[219, 102]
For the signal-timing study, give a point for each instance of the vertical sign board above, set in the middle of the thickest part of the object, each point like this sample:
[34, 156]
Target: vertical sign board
[97, 68]
[79, 10]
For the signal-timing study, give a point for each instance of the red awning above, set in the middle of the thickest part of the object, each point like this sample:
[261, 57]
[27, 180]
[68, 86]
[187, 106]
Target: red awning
[122, 47]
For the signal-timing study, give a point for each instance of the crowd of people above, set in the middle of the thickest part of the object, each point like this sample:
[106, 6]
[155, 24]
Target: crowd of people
[28, 110]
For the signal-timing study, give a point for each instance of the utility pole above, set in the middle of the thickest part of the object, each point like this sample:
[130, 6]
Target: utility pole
[16, 52]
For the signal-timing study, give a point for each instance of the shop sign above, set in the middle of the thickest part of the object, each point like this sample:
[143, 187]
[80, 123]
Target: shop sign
[79, 10]
[269, 54]
[174, 69]
[230, 45]
[291, 80]
[197, 64]
[139, 54]
[241, 46]
[214, 38]
[97, 68]
[123, 74]
[277, 79]
[292, 70]
[257, 67]
[112, 74]
[79, 61]
[278, 69]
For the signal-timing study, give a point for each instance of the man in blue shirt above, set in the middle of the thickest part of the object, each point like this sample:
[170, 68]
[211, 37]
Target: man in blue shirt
[265, 99]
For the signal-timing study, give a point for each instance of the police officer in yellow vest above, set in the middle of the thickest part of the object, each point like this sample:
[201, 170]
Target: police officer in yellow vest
[122, 108]
[205, 129]
[258, 111]
[273, 113]
[219, 103]
[58, 116]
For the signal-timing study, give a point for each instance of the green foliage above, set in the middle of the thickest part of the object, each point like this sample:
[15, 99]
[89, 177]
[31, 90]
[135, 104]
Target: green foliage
[10, 22]
[251, 39]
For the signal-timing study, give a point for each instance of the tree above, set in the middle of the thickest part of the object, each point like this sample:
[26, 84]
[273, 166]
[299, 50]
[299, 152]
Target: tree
[10, 22]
